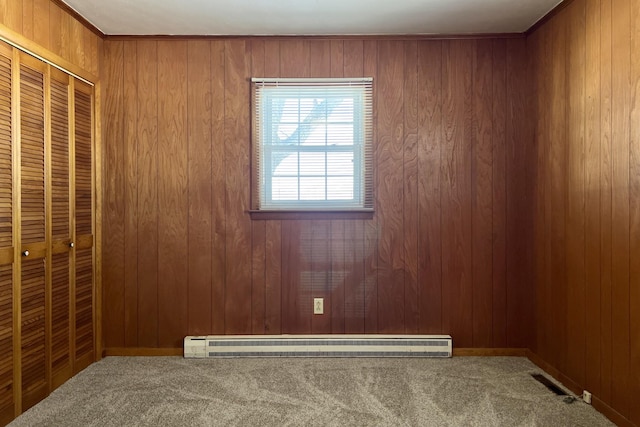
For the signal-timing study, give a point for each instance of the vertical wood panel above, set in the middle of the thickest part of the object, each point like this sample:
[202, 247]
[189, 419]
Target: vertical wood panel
[113, 249]
[319, 274]
[606, 171]
[258, 261]
[592, 184]
[429, 166]
[173, 204]
[88, 38]
[410, 190]
[338, 283]
[11, 14]
[634, 215]
[41, 26]
[199, 104]
[520, 294]
[620, 63]
[238, 223]
[456, 198]
[147, 69]
[556, 194]
[482, 196]
[76, 40]
[64, 23]
[130, 124]
[55, 29]
[291, 303]
[218, 184]
[389, 200]
[542, 245]
[27, 18]
[575, 173]
[499, 202]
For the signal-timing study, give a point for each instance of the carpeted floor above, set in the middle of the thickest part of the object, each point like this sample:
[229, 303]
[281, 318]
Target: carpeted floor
[172, 391]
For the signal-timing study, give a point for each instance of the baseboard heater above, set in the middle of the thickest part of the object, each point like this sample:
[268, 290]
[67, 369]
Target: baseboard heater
[317, 346]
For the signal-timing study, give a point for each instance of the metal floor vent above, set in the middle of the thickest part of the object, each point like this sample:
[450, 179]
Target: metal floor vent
[318, 346]
[549, 384]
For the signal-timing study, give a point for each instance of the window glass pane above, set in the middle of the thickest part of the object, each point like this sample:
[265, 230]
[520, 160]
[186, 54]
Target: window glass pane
[340, 188]
[342, 111]
[312, 164]
[284, 163]
[309, 109]
[340, 134]
[289, 111]
[284, 131]
[312, 189]
[317, 135]
[284, 188]
[340, 163]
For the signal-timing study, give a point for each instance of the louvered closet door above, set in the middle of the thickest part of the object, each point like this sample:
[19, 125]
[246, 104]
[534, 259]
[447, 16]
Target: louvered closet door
[61, 242]
[32, 229]
[84, 250]
[6, 239]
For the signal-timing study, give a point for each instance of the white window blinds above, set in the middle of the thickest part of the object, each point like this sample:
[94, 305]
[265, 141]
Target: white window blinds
[312, 144]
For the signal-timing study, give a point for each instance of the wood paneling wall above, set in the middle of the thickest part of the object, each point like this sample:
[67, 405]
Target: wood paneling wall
[48, 25]
[445, 251]
[586, 73]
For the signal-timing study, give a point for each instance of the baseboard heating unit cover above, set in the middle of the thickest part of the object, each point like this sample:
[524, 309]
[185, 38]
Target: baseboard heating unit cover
[318, 346]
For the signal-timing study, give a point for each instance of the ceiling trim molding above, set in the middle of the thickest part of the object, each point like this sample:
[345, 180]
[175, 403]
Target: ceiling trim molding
[119, 37]
[66, 8]
[546, 18]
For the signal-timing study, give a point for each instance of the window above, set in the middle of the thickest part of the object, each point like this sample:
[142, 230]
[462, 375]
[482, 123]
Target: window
[312, 147]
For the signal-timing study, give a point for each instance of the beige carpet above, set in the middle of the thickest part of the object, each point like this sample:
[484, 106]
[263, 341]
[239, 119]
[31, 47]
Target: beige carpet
[172, 391]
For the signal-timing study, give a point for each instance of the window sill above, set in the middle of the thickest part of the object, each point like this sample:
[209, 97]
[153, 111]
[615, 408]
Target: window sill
[311, 214]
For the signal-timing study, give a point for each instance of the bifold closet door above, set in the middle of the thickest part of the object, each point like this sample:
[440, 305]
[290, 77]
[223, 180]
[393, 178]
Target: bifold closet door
[84, 247]
[47, 248]
[61, 242]
[33, 292]
[7, 403]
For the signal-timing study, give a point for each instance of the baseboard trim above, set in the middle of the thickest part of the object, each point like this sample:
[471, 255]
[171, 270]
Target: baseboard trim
[489, 352]
[465, 352]
[606, 410]
[141, 351]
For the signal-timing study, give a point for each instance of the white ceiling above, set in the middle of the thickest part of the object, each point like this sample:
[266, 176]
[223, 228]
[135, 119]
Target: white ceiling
[311, 17]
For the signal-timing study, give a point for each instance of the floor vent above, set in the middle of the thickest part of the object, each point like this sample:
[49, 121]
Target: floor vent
[318, 346]
[549, 384]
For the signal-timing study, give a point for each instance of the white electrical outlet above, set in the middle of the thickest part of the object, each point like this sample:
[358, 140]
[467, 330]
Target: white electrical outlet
[318, 306]
[586, 396]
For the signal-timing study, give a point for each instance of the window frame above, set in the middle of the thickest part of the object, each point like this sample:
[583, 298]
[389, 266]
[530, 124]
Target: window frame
[262, 201]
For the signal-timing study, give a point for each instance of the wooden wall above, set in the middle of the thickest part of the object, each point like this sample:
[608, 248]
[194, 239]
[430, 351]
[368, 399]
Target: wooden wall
[446, 251]
[45, 23]
[587, 212]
